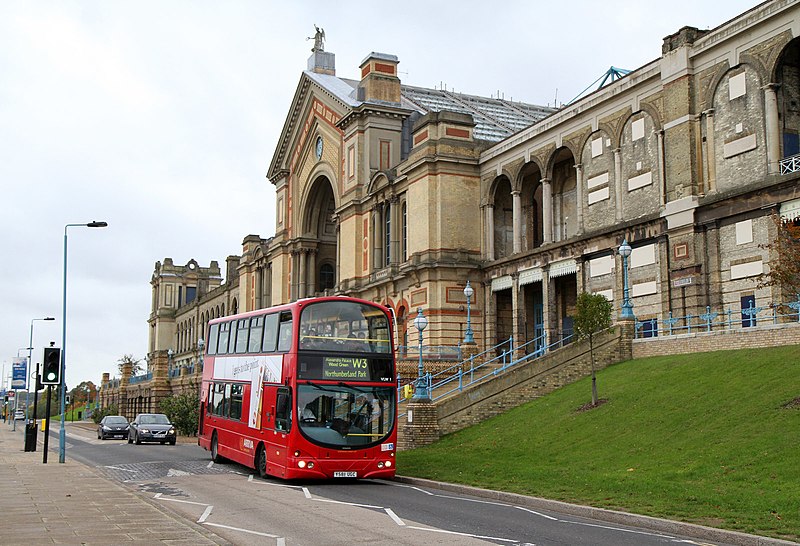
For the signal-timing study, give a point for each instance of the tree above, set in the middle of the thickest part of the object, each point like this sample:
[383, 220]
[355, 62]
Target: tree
[784, 268]
[85, 392]
[184, 412]
[593, 315]
[136, 364]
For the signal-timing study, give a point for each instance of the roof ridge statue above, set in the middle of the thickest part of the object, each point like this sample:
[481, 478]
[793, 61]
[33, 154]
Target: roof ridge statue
[319, 39]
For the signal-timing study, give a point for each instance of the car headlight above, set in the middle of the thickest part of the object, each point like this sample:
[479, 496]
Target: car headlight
[144, 430]
[172, 431]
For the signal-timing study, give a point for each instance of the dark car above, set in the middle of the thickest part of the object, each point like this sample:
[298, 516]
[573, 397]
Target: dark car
[112, 426]
[152, 427]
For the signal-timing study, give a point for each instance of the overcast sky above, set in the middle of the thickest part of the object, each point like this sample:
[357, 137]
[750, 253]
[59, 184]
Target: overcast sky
[161, 118]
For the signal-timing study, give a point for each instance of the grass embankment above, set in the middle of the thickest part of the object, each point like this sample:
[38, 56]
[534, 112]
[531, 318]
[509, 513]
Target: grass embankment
[703, 438]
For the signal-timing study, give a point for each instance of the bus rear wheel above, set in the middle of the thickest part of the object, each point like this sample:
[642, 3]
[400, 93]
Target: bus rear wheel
[261, 462]
[215, 456]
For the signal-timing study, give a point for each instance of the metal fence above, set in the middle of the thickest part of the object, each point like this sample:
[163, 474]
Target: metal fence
[481, 367]
[141, 378]
[724, 319]
[790, 164]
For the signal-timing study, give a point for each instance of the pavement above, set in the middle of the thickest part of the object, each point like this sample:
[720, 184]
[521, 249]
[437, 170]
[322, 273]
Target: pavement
[71, 503]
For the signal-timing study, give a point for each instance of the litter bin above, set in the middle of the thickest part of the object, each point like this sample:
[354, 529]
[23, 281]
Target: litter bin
[30, 436]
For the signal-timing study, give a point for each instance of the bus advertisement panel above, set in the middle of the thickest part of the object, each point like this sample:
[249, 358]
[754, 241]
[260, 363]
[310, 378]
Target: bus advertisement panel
[303, 390]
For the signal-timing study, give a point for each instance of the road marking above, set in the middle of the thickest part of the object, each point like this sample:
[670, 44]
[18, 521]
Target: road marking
[412, 487]
[159, 497]
[123, 469]
[349, 503]
[621, 529]
[394, 516]
[464, 534]
[172, 472]
[473, 500]
[205, 515]
[306, 492]
[281, 542]
[210, 464]
[536, 513]
[243, 530]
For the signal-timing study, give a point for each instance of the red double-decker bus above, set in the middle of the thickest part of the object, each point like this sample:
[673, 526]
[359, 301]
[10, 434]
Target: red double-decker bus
[303, 390]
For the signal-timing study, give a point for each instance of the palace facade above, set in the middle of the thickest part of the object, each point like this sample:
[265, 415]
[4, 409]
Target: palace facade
[401, 194]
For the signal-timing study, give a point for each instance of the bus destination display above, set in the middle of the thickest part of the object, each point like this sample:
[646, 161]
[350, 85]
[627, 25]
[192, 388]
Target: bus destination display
[345, 368]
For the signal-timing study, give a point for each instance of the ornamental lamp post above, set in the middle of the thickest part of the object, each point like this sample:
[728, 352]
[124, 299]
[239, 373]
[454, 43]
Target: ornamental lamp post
[468, 292]
[201, 343]
[62, 433]
[627, 307]
[421, 390]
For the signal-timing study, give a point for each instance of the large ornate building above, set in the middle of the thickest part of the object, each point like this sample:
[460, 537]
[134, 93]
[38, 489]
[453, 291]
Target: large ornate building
[400, 194]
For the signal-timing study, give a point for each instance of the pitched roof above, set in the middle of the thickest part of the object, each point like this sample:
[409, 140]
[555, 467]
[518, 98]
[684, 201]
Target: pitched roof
[495, 119]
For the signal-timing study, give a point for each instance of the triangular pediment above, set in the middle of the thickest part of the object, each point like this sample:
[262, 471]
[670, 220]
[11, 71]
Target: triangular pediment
[318, 97]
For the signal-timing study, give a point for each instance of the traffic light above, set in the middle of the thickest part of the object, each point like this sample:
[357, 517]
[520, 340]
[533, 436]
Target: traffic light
[51, 369]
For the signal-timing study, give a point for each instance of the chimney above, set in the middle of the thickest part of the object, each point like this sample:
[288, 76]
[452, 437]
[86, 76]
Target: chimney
[379, 81]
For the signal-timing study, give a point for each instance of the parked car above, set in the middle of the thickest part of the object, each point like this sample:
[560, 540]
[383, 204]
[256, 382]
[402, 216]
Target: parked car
[19, 414]
[112, 426]
[152, 427]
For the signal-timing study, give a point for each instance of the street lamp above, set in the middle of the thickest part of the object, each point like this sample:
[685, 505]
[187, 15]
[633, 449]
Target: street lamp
[627, 306]
[201, 343]
[421, 392]
[62, 435]
[30, 361]
[468, 292]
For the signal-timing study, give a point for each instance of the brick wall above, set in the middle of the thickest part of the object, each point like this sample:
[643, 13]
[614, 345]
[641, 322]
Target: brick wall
[737, 338]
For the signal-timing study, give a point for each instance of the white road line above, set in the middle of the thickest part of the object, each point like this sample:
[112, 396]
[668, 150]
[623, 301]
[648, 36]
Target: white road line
[633, 531]
[281, 542]
[250, 478]
[349, 503]
[477, 501]
[464, 534]
[306, 492]
[242, 530]
[394, 516]
[179, 500]
[411, 487]
[210, 464]
[123, 469]
[536, 513]
[205, 514]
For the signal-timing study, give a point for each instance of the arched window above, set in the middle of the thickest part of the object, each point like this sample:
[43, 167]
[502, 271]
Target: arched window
[327, 277]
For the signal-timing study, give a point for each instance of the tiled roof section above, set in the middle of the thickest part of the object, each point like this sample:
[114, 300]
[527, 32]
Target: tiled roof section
[495, 119]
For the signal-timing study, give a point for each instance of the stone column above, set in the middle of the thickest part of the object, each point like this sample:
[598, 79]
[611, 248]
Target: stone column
[579, 197]
[773, 128]
[517, 220]
[662, 170]
[489, 213]
[395, 234]
[301, 288]
[548, 295]
[312, 271]
[547, 211]
[618, 188]
[515, 310]
[711, 152]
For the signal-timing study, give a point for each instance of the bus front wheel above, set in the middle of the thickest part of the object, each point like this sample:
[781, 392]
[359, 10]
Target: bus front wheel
[215, 456]
[261, 462]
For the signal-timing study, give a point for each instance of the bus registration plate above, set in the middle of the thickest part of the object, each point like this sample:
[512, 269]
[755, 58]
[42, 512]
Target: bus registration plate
[345, 474]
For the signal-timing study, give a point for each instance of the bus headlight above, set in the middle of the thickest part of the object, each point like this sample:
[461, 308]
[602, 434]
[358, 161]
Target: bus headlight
[388, 464]
[301, 464]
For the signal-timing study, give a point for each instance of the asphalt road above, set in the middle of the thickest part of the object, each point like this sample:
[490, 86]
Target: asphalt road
[244, 509]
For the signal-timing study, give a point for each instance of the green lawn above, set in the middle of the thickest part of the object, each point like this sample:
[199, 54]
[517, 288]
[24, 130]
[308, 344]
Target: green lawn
[701, 438]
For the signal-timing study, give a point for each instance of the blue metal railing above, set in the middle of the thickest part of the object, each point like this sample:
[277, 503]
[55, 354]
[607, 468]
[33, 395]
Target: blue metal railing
[174, 372]
[429, 352]
[140, 378]
[483, 366]
[725, 319]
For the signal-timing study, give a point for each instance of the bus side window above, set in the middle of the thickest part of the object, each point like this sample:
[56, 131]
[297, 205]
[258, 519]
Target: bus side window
[236, 402]
[285, 332]
[213, 334]
[283, 410]
[270, 333]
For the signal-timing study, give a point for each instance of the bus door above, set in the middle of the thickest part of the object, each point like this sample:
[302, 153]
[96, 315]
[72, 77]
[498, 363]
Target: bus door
[280, 405]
